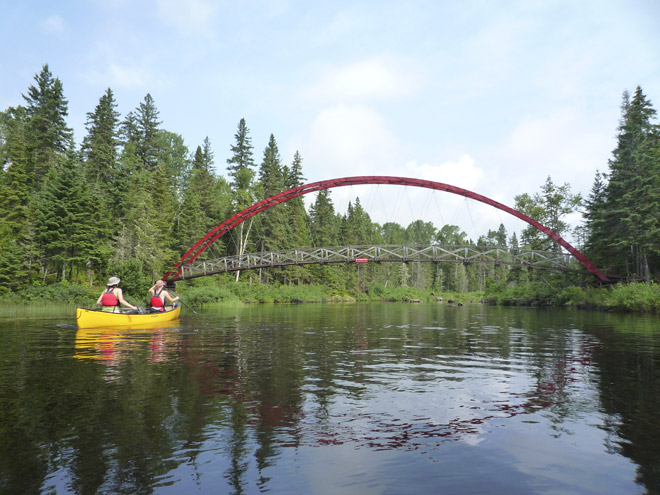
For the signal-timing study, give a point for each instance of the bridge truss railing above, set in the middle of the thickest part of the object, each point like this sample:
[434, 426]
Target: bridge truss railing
[549, 260]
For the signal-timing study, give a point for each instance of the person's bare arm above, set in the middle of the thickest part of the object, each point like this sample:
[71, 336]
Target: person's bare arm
[120, 296]
[169, 298]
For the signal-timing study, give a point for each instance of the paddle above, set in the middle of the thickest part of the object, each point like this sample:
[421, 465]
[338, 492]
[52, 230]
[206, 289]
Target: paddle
[180, 300]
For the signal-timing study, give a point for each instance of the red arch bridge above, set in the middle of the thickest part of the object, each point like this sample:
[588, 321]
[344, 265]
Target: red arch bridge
[187, 267]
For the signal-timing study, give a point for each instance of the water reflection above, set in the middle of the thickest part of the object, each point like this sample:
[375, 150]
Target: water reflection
[258, 401]
[110, 346]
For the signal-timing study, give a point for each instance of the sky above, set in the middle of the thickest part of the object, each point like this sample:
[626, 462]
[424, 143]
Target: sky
[493, 97]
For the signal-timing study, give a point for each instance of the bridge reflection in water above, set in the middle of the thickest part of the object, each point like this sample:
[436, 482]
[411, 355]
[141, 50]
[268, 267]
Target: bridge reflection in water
[467, 254]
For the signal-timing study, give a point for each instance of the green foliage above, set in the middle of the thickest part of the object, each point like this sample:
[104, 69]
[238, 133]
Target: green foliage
[531, 294]
[134, 199]
[550, 207]
[135, 281]
[623, 227]
[638, 297]
[47, 135]
[199, 296]
[60, 292]
[635, 297]
[64, 213]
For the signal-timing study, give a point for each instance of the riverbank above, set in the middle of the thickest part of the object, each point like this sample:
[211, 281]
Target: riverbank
[644, 298]
[241, 292]
[631, 297]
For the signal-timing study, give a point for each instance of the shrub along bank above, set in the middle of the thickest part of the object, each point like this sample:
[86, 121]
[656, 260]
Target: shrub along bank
[635, 297]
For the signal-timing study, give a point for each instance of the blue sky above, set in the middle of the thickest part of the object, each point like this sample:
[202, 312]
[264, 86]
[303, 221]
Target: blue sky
[489, 96]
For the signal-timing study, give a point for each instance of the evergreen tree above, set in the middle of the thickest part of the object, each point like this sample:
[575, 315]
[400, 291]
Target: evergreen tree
[100, 146]
[323, 221]
[274, 226]
[140, 237]
[420, 233]
[393, 233]
[48, 135]
[15, 188]
[65, 212]
[324, 227]
[241, 170]
[205, 202]
[147, 127]
[241, 164]
[15, 270]
[298, 218]
[595, 221]
[622, 220]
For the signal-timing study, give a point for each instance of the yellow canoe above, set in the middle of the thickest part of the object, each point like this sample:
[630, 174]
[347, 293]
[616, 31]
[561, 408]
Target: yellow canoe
[95, 318]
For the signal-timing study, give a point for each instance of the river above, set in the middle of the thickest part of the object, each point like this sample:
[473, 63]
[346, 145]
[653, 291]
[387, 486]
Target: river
[380, 398]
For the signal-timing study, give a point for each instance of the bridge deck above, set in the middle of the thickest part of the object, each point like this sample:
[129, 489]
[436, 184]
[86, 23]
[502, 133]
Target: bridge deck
[550, 260]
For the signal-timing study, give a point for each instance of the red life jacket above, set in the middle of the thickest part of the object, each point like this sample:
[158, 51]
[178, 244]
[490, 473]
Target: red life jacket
[109, 299]
[156, 301]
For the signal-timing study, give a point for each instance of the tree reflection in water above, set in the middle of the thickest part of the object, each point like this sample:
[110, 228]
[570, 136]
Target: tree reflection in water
[134, 409]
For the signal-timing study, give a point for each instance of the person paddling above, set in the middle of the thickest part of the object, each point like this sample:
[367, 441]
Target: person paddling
[158, 296]
[112, 297]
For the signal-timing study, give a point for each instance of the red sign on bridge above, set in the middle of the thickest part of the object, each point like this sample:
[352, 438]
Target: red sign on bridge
[361, 260]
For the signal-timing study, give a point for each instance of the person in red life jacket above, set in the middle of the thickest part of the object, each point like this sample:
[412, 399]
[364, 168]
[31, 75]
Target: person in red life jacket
[158, 296]
[112, 297]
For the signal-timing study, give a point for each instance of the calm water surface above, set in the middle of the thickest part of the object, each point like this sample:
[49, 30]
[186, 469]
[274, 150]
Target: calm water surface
[327, 399]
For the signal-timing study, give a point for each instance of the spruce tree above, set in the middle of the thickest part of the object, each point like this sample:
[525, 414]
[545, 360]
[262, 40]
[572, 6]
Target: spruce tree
[48, 135]
[15, 188]
[100, 146]
[147, 127]
[274, 226]
[325, 226]
[241, 171]
[241, 163]
[297, 217]
[623, 224]
[65, 212]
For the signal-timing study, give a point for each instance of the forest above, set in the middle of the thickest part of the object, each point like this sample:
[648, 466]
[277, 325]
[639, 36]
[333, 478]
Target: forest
[133, 197]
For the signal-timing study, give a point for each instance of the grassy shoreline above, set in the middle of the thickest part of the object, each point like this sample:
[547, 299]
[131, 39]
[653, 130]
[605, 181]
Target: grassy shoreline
[643, 298]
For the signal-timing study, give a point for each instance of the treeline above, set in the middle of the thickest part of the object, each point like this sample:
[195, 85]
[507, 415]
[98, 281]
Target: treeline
[132, 198]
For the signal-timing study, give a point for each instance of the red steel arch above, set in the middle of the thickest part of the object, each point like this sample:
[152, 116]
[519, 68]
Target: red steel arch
[201, 245]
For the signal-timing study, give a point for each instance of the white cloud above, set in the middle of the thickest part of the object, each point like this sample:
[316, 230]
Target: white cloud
[127, 76]
[350, 140]
[54, 25]
[121, 76]
[190, 17]
[377, 78]
[461, 173]
[563, 144]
